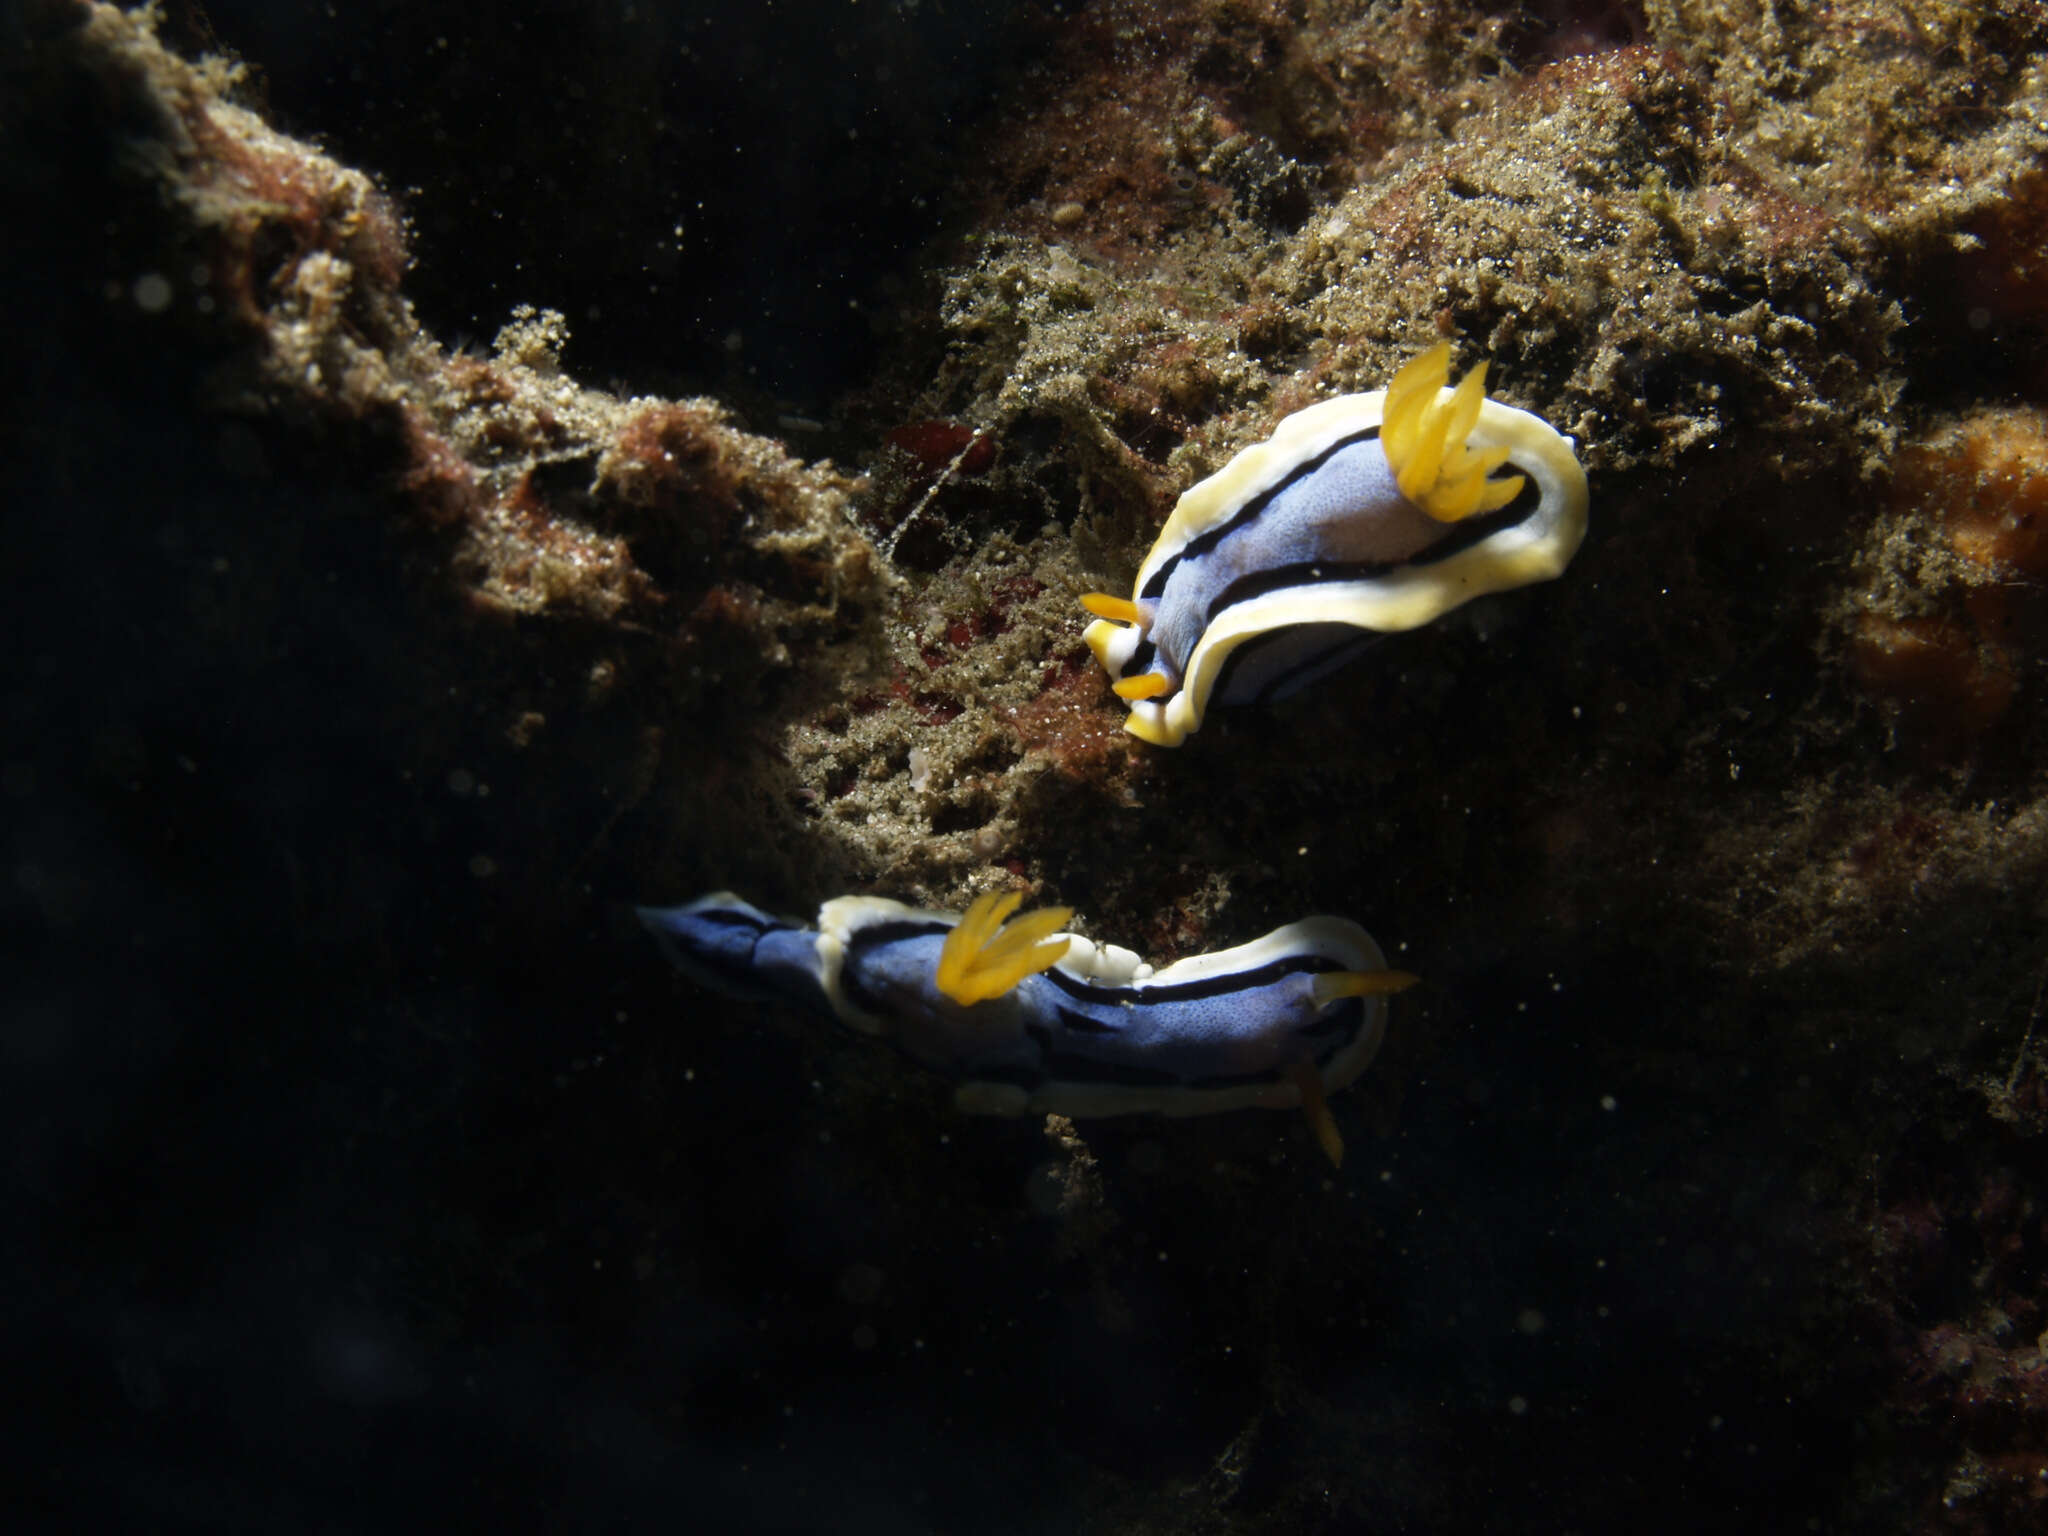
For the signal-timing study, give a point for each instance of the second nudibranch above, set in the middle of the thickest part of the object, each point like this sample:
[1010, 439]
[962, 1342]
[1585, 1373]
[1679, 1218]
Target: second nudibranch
[1032, 1019]
[1360, 516]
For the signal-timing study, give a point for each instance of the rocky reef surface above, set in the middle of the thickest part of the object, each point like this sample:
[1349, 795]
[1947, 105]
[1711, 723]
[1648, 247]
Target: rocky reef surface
[369, 1161]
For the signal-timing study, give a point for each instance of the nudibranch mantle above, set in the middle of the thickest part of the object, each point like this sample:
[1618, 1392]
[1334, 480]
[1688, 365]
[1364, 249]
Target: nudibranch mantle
[1276, 1023]
[1293, 557]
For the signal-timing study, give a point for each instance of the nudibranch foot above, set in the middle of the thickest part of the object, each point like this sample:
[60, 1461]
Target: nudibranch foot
[1033, 1021]
[1360, 516]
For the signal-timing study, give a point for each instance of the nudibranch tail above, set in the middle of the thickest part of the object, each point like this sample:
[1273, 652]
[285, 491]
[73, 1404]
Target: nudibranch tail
[736, 948]
[978, 962]
[1361, 516]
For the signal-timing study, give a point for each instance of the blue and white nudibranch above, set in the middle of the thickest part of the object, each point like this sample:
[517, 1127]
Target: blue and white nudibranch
[1359, 516]
[1030, 1019]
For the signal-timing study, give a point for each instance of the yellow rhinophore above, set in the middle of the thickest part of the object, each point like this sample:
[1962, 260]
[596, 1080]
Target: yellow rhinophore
[1329, 986]
[1120, 610]
[1146, 685]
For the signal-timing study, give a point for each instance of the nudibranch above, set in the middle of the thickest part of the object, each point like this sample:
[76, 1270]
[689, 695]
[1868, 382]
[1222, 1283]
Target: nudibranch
[1029, 1019]
[1360, 516]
